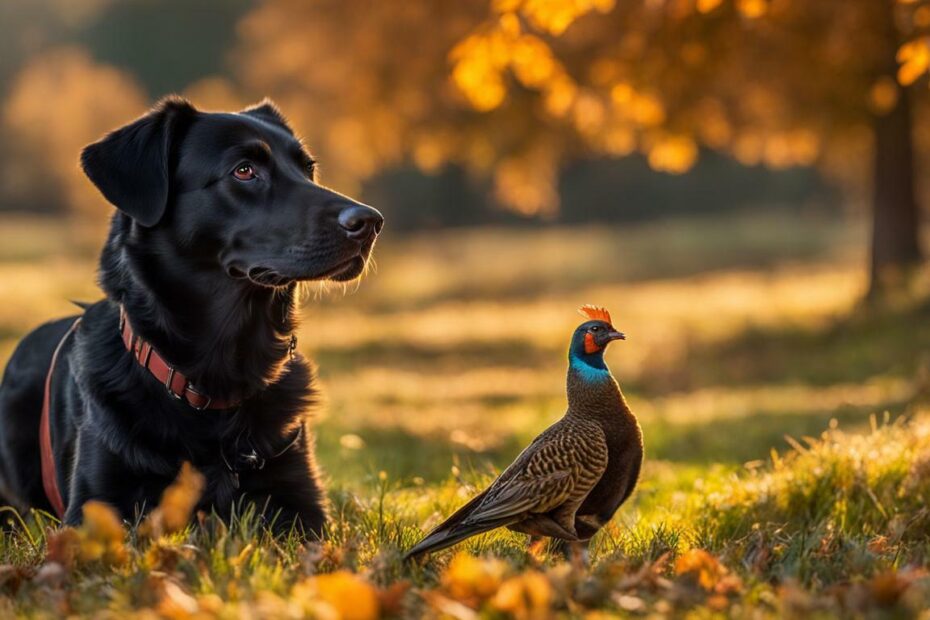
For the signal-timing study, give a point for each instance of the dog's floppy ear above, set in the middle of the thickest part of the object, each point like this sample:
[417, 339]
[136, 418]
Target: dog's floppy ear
[269, 112]
[131, 166]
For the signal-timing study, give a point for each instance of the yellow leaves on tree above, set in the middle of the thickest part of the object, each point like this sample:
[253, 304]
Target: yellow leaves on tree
[217, 94]
[914, 57]
[922, 17]
[431, 151]
[799, 147]
[482, 59]
[752, 9]
[645, 109]
[570, 78]
[532, 61]
[479, 63]
[777, 149]
[706, 6]
[585, 77]
[360, 81]
[553, 16]
[883, 96]
[673, 153]
[58, 103]
[559, 94]
[527, 182]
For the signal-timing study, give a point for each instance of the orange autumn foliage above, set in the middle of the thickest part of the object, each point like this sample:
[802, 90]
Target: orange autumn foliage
[99, 539]
[470, 579]
[58, 103]
[174, 511]
[341, 594]
[705, 569]
[512, 90]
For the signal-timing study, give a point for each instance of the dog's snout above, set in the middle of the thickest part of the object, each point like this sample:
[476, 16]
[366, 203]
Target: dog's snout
[360, 221]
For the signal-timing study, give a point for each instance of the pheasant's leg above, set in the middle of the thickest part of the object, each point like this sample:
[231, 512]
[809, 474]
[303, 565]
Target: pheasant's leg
[573, 551]
[559, 547]
[544, 525]
[578, 553]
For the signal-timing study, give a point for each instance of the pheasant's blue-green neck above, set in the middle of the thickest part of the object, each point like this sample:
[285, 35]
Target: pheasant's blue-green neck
[589, 366]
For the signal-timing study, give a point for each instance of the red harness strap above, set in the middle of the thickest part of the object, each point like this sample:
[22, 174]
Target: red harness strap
[174, 381]
[49, 476]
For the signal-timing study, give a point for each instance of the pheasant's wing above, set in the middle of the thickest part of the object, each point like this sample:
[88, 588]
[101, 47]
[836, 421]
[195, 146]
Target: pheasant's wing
[561, 466]
[522, 495]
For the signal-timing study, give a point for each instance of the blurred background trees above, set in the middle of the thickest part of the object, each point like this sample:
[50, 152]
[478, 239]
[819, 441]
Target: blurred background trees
[508, 111]
[781, 82]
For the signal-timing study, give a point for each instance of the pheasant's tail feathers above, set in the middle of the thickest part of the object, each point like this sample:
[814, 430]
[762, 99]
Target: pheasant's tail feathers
[595, 313]
[444, 536]
[437, 541]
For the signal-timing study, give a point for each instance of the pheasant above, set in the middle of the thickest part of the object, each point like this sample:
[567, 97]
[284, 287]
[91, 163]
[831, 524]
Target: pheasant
[572, 478]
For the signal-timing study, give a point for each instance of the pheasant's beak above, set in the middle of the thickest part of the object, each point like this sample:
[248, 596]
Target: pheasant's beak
[615, 335]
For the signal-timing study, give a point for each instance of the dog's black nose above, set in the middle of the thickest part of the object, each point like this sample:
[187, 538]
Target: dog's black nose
[360, 221]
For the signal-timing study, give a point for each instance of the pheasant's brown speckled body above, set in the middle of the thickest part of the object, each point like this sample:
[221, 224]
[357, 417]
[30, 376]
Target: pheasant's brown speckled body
[570, 481]
[604, 403]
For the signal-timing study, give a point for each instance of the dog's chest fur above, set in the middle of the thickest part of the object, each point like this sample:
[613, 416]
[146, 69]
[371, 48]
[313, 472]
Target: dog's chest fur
[134, 418]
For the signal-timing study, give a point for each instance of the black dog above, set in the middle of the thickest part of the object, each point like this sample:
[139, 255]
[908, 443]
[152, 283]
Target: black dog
[219, 218]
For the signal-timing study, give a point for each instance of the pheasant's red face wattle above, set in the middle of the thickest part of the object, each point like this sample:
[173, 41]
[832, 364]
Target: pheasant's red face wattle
[589, 345]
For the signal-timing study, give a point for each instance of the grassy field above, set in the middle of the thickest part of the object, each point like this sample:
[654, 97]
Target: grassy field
[787, 435]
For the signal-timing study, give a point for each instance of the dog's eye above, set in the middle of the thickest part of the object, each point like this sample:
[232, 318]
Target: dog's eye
[310, 167]
[244, 172]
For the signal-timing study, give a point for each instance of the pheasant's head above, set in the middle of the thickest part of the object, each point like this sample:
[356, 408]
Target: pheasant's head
[593, 336]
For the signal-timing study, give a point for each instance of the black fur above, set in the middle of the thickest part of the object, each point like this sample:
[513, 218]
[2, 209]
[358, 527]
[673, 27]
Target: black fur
[206, 266]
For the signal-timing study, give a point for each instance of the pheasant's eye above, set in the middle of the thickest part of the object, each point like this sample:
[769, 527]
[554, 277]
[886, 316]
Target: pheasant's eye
[596, 328]
[244, 172]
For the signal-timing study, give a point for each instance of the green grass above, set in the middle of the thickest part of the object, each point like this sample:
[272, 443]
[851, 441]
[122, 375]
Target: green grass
[839, 524]
[746, 336]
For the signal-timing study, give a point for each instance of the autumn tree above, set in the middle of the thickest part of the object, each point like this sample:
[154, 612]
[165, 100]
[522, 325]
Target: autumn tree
[516, 88]
[512, 90]
[784, 82]
[59, 102]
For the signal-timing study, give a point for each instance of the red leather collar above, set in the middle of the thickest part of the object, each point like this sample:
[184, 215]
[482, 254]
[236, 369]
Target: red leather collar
[177, 384]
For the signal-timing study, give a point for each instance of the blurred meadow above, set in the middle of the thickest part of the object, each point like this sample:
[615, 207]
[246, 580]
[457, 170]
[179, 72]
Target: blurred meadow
[738, 181]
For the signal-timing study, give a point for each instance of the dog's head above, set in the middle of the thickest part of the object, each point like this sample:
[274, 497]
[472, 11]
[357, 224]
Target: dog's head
[235, 192]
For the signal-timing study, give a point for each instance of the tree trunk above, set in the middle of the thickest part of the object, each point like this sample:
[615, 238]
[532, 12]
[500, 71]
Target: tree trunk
[896, 247]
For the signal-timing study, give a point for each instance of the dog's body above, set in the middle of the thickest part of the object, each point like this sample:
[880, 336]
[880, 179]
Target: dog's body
[219, 219]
